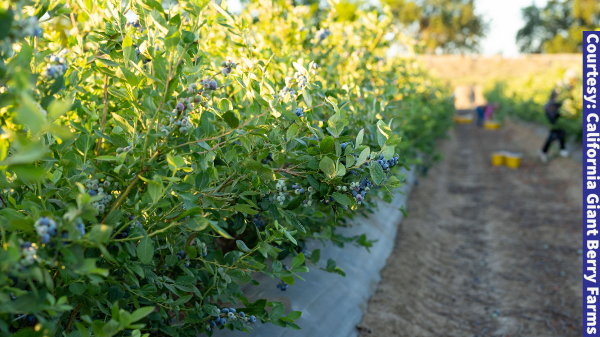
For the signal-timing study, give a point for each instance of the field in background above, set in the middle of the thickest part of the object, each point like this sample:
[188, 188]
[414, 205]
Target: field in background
[469, 74]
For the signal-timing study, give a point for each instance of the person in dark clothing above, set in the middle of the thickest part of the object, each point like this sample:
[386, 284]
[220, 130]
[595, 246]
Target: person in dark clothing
[485, 112]
[480, 114]
[551, 109]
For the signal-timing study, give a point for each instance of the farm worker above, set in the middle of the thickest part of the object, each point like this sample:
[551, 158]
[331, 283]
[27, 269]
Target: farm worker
[489, 110]
[551, 109]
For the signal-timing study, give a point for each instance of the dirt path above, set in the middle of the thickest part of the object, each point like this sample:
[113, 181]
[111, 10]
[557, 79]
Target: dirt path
[486, 251]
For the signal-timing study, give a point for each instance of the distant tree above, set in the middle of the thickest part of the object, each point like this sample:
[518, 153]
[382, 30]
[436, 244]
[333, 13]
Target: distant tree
[557, 27]
[447, 25]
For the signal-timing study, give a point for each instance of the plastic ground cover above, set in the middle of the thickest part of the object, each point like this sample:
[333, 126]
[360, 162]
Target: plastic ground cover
[333, 305]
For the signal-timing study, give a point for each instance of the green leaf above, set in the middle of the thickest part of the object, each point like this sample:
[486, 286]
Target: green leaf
[359, 138]
[292, 131]
[223, 12]
[113, 217]
[119, 93]
[26, 155]
[231, 119]
[160, 21]
[106, 158]
[123, 123]
[290, 237]
[220, 230]
[100, 233]
[145, 250]
[315, 256]
[296, 202]
[155, 187]
[176, 162]
[336, 123]
[28, 173]
[340, 170]
[128, 49]
[388, 152]
[298, 260]
[328, 167]
[78, 288]
[342, 199]
[29, 114]
[364, 154]
[172, 39]
[294, 315]
[383, 133]
[198, 223]
[289, 280]
[242, 246]
[393, 140]
[58, 108]
[376, 172]
[211, 310]
[141, 313]
[327, 144]
[244, 208]
[225, 105]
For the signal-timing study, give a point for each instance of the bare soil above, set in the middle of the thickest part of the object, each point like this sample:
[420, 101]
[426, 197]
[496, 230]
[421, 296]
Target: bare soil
[486, 251]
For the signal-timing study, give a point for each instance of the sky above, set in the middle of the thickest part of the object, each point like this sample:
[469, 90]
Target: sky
[504, 17]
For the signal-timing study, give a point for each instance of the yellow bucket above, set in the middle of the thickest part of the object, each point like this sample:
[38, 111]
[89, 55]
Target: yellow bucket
[465, 119]
[512, 160]
[498, 158]
[491, 125]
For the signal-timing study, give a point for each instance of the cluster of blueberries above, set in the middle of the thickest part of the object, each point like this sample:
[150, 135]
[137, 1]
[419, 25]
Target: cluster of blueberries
[227, 67]
[282, 285]
[299, 78]
[299, 112]
[298, 189]
[343, 145]
[178, 118]
[95, 188]
[203, 248]
[268, 159]
[28, 252]
[287, 91]
[56, 67]
[209, 83]
[387, 164]
[359, 190]
[313, 68]
[281, 188]
[31, 27]
[80, 227]
[260, 224]
[322, 34]
[134, 24]
[229, 314]
[45, 227]
[183, 255]
[327, 201]
[124, 233]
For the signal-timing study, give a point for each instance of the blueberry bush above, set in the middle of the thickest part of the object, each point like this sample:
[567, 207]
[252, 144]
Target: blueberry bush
[524, 97]
[153, 156]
